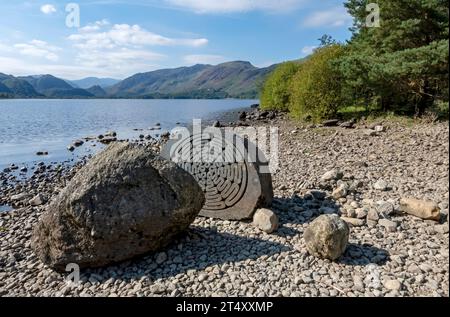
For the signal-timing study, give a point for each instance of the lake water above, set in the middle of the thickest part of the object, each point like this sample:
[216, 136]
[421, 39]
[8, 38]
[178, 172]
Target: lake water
[29, 126]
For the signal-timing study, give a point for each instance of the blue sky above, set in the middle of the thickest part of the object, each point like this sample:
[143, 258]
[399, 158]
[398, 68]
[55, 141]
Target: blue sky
[118, 38]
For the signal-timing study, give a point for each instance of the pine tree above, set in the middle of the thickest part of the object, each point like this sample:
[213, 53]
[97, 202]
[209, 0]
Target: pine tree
[404, 62]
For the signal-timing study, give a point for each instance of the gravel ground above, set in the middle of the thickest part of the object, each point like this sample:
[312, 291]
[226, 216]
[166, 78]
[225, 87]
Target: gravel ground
[227, 258]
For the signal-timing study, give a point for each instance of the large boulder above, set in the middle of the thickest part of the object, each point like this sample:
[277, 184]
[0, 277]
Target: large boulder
[232, 171]
[125, 202]
[327, 237]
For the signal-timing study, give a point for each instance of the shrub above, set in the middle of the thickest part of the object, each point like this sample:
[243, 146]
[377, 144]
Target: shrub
[276, 92]
[317, 88]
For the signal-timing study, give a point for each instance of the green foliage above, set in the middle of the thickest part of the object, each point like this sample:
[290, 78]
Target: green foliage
[316, 89]
[403, 64]
[276, 92]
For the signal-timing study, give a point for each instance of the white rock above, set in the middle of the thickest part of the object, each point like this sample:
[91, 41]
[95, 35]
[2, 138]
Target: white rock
[331, 175]
[373, 215]
[19, 197]
[393, 285]
[266, 220]
[339, 192]
[353, 221]
[390, 226]
[38, 200]
[380, 185]
[379, 128]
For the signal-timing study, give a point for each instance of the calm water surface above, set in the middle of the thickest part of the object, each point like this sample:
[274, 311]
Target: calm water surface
[29, 126]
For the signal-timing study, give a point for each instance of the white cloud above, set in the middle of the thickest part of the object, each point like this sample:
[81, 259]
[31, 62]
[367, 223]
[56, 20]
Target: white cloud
[37, 48]
[227, 6]
[48, 9]
[20, 67]
[117, 58]
[127, 35]
[121, 48]
[334, 17]
[204, 59]
[307, 50]
[96, 26]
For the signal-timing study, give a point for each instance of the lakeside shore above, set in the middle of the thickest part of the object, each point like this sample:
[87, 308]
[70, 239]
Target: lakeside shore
[230, 258]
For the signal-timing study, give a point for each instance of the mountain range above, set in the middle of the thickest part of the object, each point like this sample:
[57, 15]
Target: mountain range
[228, 80]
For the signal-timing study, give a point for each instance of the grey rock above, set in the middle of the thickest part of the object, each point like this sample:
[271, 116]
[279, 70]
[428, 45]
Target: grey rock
[393, 285]
[19, 197]
[353, 221]
[385, 208]
[390, 226]
[340, 192]
[38, 200]
[379, 128]
[266, 220]
[427, 210]
[380, 185]
[161, 258]
[327, 237]
[369, 132]
[330, 123]
[372, 215]
[125, 202]
[332, 175]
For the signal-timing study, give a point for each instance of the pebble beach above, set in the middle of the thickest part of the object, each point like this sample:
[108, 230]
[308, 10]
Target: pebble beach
[389, 253]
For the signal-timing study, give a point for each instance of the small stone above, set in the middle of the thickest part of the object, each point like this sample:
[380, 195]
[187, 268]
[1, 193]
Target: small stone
[372, 215]
[339, 192]
[317, 194]
[353, 221]
[351, 213]
[369, 132]
[266, 220]
[361, 213]
[78, 143]
[332, 175]
[442, 229]
[202, 277]
[330, 123]
[161, 258]
[390, 226]
[380, 185]
[327, 237]
[19, 197]
[385, 208]
[419, 208]
[327, 210]
[38, 200]
[393, 285]
[379, 128]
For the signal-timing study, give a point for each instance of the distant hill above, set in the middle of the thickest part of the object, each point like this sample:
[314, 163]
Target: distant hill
[228, 80]
[89, 82]
[46, 82]
[97, 91]
[74, 93]
[4, 89]
[18, 88]
[53, 87]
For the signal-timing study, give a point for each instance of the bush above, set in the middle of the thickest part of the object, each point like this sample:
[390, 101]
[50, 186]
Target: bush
[276, 92]
[317, 88]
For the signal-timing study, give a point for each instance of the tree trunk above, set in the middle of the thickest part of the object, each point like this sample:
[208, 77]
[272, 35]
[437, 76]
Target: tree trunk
[426, 98]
